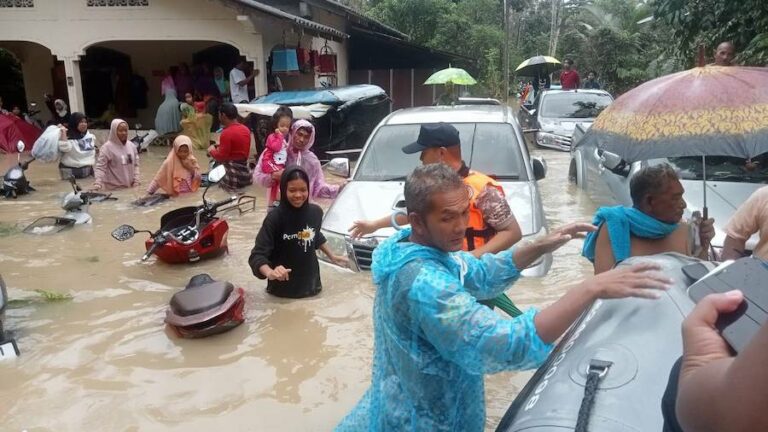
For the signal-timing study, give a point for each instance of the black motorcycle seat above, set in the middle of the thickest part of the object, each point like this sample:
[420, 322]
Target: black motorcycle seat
[198, 299]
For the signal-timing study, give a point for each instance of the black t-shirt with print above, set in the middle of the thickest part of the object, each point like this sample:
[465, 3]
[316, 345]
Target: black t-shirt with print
[290, 238]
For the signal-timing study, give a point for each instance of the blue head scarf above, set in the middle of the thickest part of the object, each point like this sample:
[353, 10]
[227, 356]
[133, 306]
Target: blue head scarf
[621, 223]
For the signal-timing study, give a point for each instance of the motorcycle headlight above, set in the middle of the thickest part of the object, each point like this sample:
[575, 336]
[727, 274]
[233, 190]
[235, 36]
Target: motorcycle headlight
[336, 243]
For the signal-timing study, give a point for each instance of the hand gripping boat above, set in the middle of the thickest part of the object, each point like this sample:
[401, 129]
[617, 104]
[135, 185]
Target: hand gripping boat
[624, 349]
[205, 307]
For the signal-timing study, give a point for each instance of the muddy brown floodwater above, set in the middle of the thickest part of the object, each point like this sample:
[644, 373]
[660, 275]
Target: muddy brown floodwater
[104, 361]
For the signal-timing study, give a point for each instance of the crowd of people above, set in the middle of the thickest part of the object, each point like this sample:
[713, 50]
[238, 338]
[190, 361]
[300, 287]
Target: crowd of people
[435, 335]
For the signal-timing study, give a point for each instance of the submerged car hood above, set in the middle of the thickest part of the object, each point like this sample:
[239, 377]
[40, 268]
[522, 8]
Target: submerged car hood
[362, 200]
[563, 126]
[723, 198]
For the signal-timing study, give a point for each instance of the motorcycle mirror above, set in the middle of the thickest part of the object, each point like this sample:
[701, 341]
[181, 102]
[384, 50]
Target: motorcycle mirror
[20, 146]
[33, 105]
[123, 232]
[216, 174]
[138, 126]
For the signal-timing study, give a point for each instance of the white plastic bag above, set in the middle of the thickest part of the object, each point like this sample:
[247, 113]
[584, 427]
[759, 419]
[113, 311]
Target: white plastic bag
[46, 148]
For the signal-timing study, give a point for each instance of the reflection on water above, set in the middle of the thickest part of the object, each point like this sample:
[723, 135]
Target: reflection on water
[104, 360]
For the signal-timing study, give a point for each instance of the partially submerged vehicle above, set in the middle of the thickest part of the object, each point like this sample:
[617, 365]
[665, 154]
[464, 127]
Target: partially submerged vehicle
[344, 117]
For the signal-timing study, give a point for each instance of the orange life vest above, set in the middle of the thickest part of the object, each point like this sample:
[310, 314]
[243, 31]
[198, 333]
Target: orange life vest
[478, 232]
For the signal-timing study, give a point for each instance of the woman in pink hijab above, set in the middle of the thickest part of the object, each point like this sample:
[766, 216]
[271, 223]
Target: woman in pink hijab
[117, 165]
[180, 172]
[300, 141]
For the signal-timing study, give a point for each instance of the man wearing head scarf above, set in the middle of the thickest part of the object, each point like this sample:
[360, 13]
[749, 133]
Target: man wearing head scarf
[117, 166]
[180, 172]
[77, 148]
[301, 140]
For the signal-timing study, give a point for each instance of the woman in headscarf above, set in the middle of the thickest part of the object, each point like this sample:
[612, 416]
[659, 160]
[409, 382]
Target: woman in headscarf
[221, 82]
[180, 172]
[196, 124]
[300, 142]
[117, 166]
[59, 111]
[77, 148]
[168, 118]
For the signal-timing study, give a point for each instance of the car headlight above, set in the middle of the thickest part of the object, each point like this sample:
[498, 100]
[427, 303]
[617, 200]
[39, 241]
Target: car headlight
[549, 139]
[336, 243]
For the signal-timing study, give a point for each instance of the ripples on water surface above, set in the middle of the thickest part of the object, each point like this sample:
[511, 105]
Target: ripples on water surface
[104, 361]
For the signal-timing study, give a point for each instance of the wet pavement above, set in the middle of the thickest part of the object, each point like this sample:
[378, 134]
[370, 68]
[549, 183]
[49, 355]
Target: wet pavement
[103, 359]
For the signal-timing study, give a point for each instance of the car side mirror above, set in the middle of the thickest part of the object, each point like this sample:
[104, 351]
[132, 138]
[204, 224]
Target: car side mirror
[539, 168]
[20, 146]
[339, 167]
[614, 163]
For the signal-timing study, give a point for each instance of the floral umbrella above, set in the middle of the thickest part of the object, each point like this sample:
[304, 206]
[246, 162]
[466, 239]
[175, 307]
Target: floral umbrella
[705, 111]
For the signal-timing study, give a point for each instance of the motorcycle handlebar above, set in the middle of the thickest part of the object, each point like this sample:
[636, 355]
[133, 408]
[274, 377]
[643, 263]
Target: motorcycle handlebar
[151, 250]
[223, 202]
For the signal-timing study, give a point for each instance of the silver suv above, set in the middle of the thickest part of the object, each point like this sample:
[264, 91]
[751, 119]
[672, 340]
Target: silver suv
[491, 143]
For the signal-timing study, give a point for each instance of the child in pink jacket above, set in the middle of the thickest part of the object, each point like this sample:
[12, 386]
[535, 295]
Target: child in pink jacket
[276, 149]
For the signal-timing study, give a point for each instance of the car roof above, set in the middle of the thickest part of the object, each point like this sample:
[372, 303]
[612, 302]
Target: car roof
[452, 114]
[589, 91]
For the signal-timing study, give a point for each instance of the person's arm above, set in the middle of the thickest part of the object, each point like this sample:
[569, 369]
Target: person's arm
[275, 141]
[153, 186]
[100, 170]
[66, 146]
[733, 248]
[497, 214]
[361, 228]
[261, 178]
[222, 152]
[604, 259]
[717, 392]
[136, 171]
[320, 189]
[491, 274]
[263, 247]
[481, 341]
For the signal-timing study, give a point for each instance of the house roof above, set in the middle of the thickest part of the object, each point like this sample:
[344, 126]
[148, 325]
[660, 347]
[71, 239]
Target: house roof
[357, 17]
[312, 26]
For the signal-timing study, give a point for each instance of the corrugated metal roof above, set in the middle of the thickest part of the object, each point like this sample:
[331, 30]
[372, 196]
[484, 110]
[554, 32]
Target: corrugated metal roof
[305, 23]
[337, 7]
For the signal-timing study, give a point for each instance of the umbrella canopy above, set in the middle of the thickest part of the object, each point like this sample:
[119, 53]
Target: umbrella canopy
[451, 75]
[705, 111]
[538, 65]
[13, 130]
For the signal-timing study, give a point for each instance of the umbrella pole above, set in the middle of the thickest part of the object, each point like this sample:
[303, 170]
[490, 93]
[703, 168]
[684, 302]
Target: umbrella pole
[705, 211]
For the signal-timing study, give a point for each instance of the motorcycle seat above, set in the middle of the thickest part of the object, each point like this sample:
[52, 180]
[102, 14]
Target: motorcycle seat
[198, 299]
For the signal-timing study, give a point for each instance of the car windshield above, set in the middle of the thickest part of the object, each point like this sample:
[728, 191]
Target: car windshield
[574, 105]
[489, 148]
[723, 168]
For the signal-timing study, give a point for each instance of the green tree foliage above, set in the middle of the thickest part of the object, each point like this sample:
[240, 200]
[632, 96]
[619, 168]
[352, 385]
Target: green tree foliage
[710, 22]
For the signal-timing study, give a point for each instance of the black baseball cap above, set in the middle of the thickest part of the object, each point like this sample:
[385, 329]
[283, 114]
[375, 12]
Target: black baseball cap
[434, 135]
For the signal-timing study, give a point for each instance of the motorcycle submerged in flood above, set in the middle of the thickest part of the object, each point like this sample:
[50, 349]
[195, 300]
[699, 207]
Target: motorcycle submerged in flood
[8, 347]
[189, 234]
[15, 183]
[75, 205]
[205, 307]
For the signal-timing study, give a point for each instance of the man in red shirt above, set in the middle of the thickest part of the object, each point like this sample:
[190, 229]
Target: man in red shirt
[569, 78]
[233, 149]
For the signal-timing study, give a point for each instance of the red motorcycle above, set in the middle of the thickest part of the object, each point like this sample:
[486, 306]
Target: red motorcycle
[189, 234]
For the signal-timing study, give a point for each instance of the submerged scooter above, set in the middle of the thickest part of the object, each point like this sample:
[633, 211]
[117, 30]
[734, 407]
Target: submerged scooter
[8, 347]
[75, 204]
[189, 234]
[14, 181]
[205, 307]
[142, 142]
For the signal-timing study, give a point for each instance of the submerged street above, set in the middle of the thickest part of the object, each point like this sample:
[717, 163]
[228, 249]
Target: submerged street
[103, 360]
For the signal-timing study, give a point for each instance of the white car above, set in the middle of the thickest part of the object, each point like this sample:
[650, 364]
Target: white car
[492, 143]
[605, 178]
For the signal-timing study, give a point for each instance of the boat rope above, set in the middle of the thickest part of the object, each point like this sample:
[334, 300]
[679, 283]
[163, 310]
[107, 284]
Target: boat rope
[596, 370]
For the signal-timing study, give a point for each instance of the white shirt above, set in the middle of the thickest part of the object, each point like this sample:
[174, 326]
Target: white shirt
[239, 92]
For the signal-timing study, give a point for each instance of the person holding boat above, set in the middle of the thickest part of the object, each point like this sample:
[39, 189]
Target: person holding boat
[652, 225]
[492, 225]
[433, 341]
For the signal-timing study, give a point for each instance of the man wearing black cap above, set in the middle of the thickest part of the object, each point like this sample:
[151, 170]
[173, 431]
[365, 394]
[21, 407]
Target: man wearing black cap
[492, 226]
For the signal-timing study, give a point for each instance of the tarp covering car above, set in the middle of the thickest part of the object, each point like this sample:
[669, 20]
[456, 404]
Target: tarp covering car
[344, 117]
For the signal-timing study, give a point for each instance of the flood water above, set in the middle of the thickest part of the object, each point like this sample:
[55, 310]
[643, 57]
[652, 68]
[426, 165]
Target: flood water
[103, 359]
